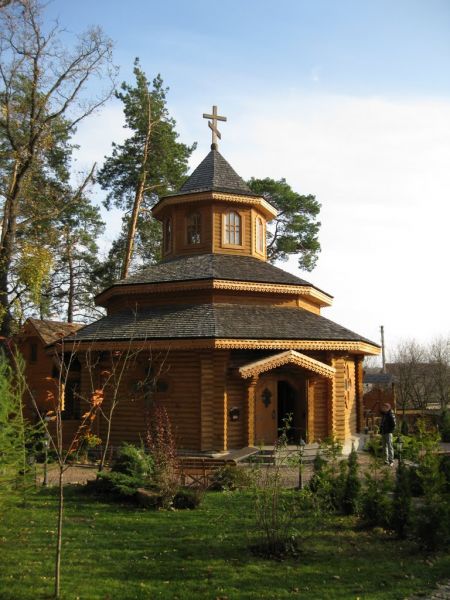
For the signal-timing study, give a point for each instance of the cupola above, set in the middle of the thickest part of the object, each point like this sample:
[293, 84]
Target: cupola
[214, 211]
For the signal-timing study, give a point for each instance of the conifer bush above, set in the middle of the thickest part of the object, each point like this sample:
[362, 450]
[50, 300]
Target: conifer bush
[401, 504]
[351, 493]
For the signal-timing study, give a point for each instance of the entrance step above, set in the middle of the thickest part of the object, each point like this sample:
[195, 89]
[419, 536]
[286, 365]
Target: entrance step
[285, 457]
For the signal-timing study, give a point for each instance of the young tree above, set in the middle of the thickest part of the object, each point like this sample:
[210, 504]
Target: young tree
[295, 230]
[13, 429]
[42, 87]
[150, 163]
[439, 361]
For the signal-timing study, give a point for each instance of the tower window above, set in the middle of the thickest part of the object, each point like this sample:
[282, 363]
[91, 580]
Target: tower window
[168, 235]
[259, 235]
[193, 228]
[233, 229]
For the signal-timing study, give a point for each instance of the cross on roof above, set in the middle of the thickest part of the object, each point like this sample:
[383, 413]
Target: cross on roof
[213, 125]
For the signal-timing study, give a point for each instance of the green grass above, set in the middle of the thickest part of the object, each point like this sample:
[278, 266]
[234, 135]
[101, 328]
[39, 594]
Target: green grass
[119, 552]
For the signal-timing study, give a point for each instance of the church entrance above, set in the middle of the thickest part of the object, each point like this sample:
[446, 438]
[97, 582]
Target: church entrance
[291, 411]
[277, 398]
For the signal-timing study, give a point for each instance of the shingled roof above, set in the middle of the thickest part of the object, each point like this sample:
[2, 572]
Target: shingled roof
[51, 331]
[215, 174]
[222, 321]
[214, 266]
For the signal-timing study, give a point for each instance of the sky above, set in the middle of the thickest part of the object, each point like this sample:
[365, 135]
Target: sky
[348, 100]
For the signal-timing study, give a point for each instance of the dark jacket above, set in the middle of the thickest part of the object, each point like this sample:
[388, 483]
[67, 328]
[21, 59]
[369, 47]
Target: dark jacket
[387, 424]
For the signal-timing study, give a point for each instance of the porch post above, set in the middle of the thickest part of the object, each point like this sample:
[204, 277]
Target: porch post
[250, 416]
[310, 405]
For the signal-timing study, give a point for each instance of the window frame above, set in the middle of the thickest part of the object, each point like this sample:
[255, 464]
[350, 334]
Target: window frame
[197, 230]
[241, 216]
[259, 222]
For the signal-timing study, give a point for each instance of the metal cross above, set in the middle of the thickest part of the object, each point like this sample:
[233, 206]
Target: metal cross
[213, 125]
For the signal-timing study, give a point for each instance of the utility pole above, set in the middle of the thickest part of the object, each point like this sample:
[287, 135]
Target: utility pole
[383, 356]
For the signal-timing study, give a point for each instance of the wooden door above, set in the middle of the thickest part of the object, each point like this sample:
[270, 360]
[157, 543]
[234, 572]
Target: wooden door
[266, 411]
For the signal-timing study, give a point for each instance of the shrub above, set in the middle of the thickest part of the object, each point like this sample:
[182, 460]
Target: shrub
[134, 462]
[432, 526]
[444, 426]
[230, 478]
[404, 428]
[376, 506]
[160, 442]
[373, 445]
[274, 509]
[114, 485]
[351, 492]
[444, 468]
[187, 498]
[401, 505]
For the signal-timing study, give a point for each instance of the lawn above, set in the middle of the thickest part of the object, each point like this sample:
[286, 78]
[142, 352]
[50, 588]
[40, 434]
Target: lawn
[119, 552]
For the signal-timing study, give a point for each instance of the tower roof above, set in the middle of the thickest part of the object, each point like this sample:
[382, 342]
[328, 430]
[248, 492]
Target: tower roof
[215, 174]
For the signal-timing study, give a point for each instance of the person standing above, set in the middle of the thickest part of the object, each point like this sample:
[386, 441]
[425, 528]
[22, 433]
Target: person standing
[387, 427]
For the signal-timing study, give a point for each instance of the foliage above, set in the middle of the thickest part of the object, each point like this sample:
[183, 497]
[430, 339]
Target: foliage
[432, 523]
[401, 504]
[444, 468]
[295, 229]
[151, 159]
[376, 507]
[187, 498]
[14, 432]
[230, 478]
[404, 428]
[42, 99]
[274, 509]
[115, 485]
[134, 462]
[351, 495]
[160, 443]
[444, 426]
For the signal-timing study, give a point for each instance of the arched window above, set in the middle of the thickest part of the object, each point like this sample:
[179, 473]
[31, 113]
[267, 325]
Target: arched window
[193, 228]
[233, 229]
[168, 235]
[259, 235]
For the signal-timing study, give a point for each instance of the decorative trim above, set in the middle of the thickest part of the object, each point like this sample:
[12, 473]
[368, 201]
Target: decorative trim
[290, 357]
[267, 209]
[226, 344]
[314, 294]
[347, 346]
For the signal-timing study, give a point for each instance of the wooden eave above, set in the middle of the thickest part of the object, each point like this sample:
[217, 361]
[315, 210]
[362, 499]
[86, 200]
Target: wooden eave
[313, 294]
[264, 207]
[351, 347]
[290, 357]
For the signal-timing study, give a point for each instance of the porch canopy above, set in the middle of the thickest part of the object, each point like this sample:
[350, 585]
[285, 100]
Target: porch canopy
[290, 357]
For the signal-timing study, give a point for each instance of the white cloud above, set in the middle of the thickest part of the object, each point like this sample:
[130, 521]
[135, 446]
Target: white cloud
[380, 169]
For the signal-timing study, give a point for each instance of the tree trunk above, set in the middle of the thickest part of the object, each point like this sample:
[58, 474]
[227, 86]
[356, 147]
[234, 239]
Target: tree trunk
[71, 291]
[59, 534]
[138, 196]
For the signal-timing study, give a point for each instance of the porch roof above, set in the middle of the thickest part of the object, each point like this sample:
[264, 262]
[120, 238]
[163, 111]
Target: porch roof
[291, 357]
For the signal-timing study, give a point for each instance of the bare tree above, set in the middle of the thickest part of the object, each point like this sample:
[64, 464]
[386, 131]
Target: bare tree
[42, 96]
[439, 363]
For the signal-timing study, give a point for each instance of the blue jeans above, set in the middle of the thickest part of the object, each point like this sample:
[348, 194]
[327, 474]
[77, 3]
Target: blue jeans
[388, 447]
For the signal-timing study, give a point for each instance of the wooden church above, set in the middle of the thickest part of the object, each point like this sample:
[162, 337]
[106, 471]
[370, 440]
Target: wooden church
[237, 344]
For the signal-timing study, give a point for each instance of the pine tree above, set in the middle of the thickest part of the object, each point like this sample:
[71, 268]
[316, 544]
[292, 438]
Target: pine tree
[148, 165]
[295, 230]
[401, 506]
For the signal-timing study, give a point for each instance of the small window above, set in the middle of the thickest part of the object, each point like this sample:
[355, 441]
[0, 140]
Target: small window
[233, 229]
[168, 235]
[33, 352]
[193, 228]
[259, 235]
